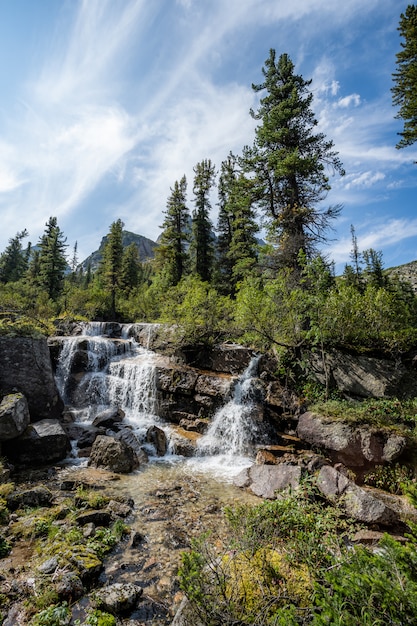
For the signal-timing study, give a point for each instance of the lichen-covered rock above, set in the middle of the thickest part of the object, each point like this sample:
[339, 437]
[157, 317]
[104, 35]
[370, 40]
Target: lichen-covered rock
[118, 598]
[112, 454]
[14, 416]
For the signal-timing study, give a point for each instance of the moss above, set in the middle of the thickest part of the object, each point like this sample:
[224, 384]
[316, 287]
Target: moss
[251, 576]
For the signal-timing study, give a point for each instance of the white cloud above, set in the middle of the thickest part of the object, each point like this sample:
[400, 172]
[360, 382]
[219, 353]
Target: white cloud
[353, 100]
[364, 179]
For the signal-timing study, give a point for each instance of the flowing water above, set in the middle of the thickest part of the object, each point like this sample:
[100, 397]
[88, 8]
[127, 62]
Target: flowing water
[175, 498]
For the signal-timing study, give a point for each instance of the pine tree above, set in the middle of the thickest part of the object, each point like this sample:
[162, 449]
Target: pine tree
[52, 261]
[236, 244]
[171, 254]
[288, 161]
[404, 92]
[131, 268]
[111, 264]
[202, 237]
[13, 261]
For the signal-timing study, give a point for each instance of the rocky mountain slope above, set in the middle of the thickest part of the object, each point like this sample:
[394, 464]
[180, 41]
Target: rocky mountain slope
[145, 247]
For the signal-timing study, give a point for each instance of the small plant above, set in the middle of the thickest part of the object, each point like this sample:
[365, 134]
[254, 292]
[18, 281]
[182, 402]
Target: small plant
[90, 498]
[100, 618]
[57, 615]
[391, 478]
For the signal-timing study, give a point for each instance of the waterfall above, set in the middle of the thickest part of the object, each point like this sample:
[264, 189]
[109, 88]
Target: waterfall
[233, 429]
[95, 372]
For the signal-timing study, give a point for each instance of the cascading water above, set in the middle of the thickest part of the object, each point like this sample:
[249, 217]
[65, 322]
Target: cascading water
[96, 372]
[228, 443]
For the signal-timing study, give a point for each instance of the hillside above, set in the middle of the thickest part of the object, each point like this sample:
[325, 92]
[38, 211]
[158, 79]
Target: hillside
[145, 247]
[406, 272]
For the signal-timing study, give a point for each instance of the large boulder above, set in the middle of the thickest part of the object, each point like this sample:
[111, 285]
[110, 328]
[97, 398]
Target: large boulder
[358, 503]
[266, 480]
[363, 376]
[42, 442]
[112, 454]
[25, 367]
[356, 446]
[14, 416]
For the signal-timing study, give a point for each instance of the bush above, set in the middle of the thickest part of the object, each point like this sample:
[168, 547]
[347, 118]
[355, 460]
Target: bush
[288, 563]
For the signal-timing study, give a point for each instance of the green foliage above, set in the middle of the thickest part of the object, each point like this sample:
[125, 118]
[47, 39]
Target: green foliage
[201, 246]
[404, 91]
[287, 162]
[51, 263]
[380, 412]
[200, 313]
[391, 478]
[288, 563]
[57, 615]
[370, 588]
[95, 617]
[171, 254]
[5, 547]
[90, 498]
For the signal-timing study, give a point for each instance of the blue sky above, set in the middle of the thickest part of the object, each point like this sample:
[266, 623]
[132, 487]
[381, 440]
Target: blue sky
[106, 103]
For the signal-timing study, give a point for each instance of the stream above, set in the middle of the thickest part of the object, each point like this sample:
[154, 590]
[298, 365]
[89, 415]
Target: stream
[176, 498]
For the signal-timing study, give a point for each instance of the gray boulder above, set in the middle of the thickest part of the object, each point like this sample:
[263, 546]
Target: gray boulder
[14, 416]
[25, 367]
[266, 480]
[358, 503]
[363, 376]
[118, 598]
[113, 455]
[354, 446]
[42, 442]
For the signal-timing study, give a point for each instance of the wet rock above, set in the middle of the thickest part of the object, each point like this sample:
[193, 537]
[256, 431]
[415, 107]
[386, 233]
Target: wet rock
[30, 498]
[128, 436]
[157, 438]
[350, 444]
[118, 598]
[136, 539]
[14, 416]
[266, 480]
[109, 417]
[42, 442]
[112, 454]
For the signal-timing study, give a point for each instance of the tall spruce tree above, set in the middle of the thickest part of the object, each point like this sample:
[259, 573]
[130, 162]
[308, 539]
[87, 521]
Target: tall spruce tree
[288, 163]
[404, 92]
[172, 254]
[111, 264]
[202, 236]
[131, 269]
[236, 244]
[52, 260]
[13, 261]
